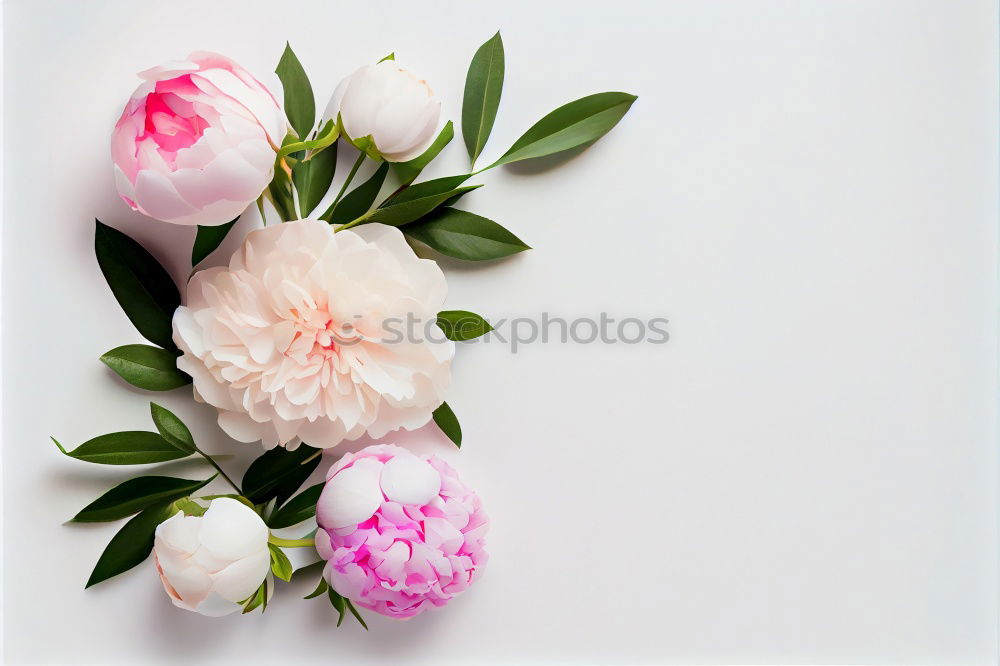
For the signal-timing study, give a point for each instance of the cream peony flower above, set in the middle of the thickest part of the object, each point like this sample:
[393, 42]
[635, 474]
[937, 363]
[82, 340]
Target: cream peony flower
[209, 564]
[300, 338]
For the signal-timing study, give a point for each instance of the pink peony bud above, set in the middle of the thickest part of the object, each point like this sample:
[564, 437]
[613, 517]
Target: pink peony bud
[399, 533]
[196, 142]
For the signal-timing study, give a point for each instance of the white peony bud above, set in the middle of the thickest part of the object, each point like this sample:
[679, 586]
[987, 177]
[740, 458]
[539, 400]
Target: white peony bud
[389, 104]
[208, 564]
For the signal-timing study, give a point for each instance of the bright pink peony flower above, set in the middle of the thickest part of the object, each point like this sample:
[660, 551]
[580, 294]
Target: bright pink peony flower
[400, 534]
[196, 142]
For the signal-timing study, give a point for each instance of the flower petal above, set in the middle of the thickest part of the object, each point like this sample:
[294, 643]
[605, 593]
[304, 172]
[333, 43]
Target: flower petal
[352, 496]
[409, 480]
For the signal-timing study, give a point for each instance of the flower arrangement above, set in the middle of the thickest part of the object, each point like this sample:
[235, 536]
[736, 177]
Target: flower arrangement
[291, 341]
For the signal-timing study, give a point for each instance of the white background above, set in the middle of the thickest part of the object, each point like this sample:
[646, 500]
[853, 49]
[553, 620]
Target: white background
[806, 472]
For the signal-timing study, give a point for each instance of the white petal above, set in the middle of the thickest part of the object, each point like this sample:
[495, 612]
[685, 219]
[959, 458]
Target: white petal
[258, 102]
[352, 496]
[125, 188]
[239, 580]
[333, 107]
[232, 530]
[360, 103]
[240, 427]
[228, 176]
[215, 605]
[204, 559]
[189, 582]
[168, 69]
[409, 480]
[212, 215]
[158, 198]
[180, 532]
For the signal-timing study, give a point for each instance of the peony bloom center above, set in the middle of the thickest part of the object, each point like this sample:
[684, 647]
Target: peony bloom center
[171, 121]
[320, 344]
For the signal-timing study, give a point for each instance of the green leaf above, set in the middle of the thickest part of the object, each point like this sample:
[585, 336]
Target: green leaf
[418, 200]
[281, 195]
[320, 589]
[426, 189]
[460, 325]
[172, 428]
[146, 367]
[448, 422]
[133, 447]
[355, 613]
[299, 508]
[300, 104]
[408, 171]
[280, 566]
[464, 235]
[131, 544]
[327, 136]
[135, 495]
[259, 598]
[580, 122]
[142, 287]
[366, 144]
[360, 199]
[278, 473]
[309, 569]
[208, 239]
[339, 602]
[238, 498]
[312, 178]
[190, 507]
[483, 85]
[391, 56]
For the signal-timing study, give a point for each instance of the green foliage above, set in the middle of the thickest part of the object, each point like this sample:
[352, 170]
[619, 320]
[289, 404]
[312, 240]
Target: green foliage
[464, 235]
[445, 419]
[278, 473]
[208, 239]
[135, 495]
[483, 85]
[131, 544]
[132, 447]
[578, 123]
[146, 367]
[461, 325]
[299, 508]
[300, 104]
[143, 288]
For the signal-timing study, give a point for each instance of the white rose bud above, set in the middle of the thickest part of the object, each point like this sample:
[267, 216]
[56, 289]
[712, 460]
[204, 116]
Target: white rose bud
[389, 104]
[208, 564]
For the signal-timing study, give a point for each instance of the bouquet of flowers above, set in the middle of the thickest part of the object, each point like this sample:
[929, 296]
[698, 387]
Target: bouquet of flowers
[296, 340]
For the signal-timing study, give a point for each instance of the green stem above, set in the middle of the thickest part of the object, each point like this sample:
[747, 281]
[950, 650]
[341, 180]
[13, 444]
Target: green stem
[356, 221]
[280, 200]
[291, 543]
[343, 188]
[221, 472]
